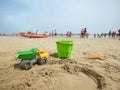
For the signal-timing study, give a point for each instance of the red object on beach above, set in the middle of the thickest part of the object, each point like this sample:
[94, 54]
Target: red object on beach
[33, 35]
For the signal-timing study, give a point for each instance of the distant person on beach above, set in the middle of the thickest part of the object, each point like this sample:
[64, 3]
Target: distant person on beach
[55, 33]
[110, 34]
[94, 35]
[69, 34]
[45, 33]
[119, 32]
[37, 32]
[102, 34]
[98, 35]
[105, 35]
[84, 33]
[113, 34]
[52, 33]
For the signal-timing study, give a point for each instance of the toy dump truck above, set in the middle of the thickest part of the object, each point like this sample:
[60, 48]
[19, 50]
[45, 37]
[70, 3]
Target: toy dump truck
[31, 57]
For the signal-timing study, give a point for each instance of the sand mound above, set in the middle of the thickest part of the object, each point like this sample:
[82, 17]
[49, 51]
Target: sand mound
[59, 75]
[56, 75]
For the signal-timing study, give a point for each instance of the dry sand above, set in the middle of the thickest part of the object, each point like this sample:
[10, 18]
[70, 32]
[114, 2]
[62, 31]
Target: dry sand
[76, 73]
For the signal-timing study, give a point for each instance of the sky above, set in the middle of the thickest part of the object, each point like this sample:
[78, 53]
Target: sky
[98, 16]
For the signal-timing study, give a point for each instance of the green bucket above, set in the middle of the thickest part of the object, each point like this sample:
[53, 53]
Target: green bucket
[64, 48]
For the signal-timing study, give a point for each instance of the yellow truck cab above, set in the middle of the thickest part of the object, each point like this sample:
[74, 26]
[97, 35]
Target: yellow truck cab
[42, 56]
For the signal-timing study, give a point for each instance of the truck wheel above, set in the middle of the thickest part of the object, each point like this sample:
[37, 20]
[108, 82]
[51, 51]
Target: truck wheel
[42, 61]
[25, 65]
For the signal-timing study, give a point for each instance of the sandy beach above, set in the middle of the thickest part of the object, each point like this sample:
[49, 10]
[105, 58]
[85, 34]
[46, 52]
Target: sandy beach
[76, 73]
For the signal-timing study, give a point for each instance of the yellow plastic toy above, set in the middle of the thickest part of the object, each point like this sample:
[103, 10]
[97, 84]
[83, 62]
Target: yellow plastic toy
[42, 56]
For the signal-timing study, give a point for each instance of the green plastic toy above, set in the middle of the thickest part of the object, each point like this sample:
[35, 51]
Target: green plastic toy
[30, 57]
[64, 48]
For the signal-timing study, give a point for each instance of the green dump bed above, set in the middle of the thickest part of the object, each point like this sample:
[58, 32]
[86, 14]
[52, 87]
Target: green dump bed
[27, 55]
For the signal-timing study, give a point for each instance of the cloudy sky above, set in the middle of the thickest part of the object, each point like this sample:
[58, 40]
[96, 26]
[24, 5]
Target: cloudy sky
[63, 15]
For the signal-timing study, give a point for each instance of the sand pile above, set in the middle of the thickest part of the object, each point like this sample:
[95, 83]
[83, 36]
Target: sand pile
[62, 75]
